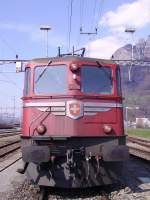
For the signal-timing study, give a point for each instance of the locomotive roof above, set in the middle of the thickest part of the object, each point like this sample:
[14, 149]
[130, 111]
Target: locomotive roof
[69, 58]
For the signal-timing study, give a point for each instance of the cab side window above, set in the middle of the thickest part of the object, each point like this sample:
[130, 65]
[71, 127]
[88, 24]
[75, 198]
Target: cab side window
[118, 82]
[27, 81]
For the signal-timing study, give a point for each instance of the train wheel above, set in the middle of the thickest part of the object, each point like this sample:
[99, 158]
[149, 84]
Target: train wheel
[43, 193]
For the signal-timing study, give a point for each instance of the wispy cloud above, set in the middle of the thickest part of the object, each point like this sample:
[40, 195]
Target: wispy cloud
[135, 15]
[34, 34]
[16, 27]
[104, 47]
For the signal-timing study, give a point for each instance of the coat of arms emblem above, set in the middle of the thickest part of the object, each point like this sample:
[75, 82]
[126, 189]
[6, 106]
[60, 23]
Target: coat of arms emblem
[74, 109]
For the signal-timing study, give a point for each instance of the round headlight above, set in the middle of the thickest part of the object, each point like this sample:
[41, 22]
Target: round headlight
[41, 129]
[107, 128]
[74, 67]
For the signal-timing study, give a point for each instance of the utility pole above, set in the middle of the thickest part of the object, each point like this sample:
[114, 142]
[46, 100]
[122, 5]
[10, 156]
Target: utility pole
[46, 28]
[126, 115]
[14, 107]
[130, 31]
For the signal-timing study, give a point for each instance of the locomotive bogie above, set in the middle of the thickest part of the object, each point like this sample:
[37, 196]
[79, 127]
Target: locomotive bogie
[80, 162]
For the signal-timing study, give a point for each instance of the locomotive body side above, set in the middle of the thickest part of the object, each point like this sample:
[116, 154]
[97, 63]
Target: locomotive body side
[73, 133]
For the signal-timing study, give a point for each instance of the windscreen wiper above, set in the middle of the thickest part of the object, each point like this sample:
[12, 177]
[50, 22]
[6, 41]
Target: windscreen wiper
[101, 66]
[41, 74]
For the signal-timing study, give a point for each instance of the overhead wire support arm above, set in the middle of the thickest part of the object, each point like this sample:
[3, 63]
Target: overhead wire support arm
[19, 63]
[73, 53]
[139, 63]
[82, 53]
[9, 61]
[88, 33]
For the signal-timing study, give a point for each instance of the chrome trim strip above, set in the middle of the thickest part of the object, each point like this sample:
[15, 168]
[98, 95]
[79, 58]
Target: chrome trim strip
[119, 105]
[62, 108]
[58, 113]
[44, 104]
[63, 103]
[94, 109]
[51, 109]
[58, 109]
[112, 105]
[44, 109]
[89, 113]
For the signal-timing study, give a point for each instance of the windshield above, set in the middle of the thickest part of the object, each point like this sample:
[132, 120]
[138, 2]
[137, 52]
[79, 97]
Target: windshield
[96, 80]
[52, 81]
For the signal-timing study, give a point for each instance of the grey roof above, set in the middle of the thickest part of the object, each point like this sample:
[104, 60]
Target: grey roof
[69, 58]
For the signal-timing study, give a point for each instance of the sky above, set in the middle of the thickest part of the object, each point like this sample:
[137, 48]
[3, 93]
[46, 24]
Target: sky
[20, 33]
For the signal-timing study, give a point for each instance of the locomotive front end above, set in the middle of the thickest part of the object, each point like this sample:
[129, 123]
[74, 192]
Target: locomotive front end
[73, 133]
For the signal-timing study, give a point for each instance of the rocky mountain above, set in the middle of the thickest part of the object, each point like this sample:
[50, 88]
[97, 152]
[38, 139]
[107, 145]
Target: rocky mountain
[137, 89]
[141, 51]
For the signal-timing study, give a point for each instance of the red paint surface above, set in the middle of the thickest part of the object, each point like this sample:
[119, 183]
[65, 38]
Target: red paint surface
[65, 126]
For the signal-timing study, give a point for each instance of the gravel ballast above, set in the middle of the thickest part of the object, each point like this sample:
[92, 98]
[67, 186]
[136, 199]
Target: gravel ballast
[133, 185]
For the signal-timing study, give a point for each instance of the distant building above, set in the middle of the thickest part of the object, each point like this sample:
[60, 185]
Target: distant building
[142, 123]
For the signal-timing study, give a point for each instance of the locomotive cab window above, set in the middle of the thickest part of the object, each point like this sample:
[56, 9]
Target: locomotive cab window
[27, 81]
[118, 81]
[50, 80]
[96, 80]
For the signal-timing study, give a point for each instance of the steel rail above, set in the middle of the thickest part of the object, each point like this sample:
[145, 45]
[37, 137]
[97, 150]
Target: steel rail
[9, 148]
[139, 152]
[140, 141]
[9, 144]
[139, 147]
[8, 134]
[139, 138]
[10, 164]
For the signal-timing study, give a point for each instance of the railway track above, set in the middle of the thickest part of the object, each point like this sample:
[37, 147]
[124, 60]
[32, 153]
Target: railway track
[9, 154]
[130, 187]
[139, 147]
[135, 170]
[8, 134]
[9, 149]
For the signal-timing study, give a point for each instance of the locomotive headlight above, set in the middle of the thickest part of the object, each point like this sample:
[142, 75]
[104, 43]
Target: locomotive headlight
[41, 129]
[74, 76]
[107, 128]
[74, 67]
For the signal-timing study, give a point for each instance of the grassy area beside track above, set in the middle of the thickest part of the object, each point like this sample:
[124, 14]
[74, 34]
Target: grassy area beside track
[139, 132]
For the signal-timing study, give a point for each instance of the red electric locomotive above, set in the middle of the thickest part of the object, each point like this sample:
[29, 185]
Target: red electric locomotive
[73, 133]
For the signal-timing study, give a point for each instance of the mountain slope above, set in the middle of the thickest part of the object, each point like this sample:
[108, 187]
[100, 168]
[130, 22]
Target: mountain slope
[136, 91]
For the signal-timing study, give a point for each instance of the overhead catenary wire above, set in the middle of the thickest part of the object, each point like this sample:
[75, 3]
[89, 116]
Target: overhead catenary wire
[100, 12]
[90, 16]
[10, 81]
[70, 11]
[93, 21]
[81, 12]
[4, 93]
[94, 12]
[12, 49]
[85, 11]
[97, 15]
[92, 9]
[7, 72]
[81, 21]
